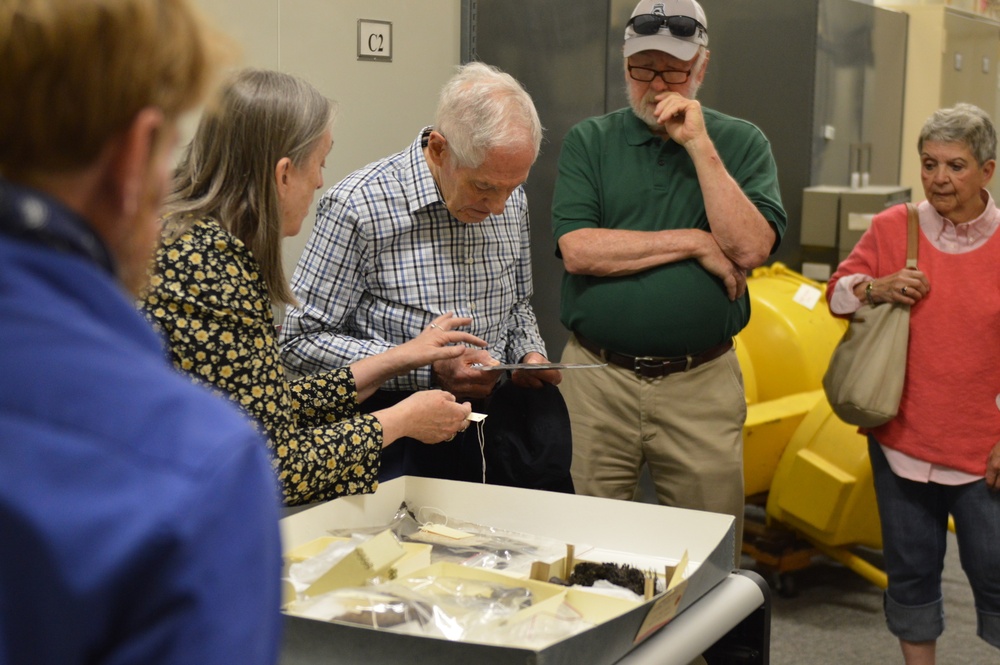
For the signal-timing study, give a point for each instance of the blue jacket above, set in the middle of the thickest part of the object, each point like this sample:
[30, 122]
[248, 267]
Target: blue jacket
[138, 513]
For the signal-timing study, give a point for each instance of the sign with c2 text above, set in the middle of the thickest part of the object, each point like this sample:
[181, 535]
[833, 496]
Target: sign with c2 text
[374, 40]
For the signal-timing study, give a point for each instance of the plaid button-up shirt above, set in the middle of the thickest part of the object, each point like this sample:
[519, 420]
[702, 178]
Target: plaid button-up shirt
[386, 257]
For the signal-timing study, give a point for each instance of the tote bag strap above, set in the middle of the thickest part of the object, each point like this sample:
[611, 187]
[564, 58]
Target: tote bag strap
[912, 235]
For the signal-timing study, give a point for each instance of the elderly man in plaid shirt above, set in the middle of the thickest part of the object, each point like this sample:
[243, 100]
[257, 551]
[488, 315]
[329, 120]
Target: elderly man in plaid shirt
[440, 227]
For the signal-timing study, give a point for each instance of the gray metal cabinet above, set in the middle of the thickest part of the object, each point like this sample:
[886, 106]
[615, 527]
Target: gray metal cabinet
[823, 79]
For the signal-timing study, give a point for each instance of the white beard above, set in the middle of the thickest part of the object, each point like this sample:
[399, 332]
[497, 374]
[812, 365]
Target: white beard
[643, 109]
[644, 106]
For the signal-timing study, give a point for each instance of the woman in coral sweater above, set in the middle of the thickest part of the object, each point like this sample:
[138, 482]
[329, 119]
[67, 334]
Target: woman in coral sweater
[940, 455]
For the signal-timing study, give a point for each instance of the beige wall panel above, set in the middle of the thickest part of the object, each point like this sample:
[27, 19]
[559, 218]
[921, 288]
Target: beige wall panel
[382, 104]
[252, 23]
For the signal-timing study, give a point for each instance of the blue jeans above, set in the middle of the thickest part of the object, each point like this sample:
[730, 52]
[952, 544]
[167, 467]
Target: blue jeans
[914, 528]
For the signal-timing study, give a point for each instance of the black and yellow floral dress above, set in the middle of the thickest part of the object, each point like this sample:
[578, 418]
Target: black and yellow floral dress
[209, 299]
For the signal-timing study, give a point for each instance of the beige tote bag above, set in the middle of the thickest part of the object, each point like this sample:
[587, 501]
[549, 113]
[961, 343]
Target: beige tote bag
[864, 381]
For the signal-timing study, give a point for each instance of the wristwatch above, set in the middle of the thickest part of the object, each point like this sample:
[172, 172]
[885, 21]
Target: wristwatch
[868, 293]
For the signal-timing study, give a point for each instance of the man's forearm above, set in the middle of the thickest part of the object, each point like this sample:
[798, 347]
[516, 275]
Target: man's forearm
[741, 231]
[615, 252]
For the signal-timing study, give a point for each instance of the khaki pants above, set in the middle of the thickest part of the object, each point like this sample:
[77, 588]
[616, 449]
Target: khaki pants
[686, 427]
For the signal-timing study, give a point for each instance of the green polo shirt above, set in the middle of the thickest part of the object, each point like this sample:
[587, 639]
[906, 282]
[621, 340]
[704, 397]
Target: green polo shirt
[615, 174]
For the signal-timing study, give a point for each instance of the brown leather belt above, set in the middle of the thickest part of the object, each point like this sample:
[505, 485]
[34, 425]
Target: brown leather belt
[652, 367]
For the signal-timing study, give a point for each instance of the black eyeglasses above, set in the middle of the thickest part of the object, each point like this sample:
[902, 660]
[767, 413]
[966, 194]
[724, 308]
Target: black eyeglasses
[679, 26]
[670, 76]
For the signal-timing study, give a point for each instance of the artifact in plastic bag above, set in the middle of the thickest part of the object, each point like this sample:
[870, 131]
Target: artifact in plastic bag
[490, 599]
[435, 606]
[479, 547]
[469, 609]
[372, 607]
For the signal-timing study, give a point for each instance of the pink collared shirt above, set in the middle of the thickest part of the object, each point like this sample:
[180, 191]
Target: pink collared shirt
[949, 238]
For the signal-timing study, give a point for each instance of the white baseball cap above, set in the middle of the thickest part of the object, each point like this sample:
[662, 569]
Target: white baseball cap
[677, 27]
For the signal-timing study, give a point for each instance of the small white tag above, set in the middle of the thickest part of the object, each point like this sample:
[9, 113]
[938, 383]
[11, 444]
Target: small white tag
[446, 531]
[476, 417]
[807, 296]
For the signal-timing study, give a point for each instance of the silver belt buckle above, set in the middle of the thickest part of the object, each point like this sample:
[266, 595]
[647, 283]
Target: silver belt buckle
[645, 361]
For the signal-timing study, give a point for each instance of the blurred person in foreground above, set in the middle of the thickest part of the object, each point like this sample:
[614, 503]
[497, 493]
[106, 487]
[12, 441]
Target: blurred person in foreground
[138, 513]
[940, 455]
[440, 227]
[659, 211]
[218, 271]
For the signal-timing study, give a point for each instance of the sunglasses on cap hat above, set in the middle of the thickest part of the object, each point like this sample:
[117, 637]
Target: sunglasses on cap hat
[650, 24]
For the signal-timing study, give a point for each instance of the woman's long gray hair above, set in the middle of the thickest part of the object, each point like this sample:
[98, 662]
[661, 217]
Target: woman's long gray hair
[227, 171]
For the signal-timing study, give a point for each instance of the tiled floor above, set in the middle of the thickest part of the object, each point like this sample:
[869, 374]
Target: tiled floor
[835, 618]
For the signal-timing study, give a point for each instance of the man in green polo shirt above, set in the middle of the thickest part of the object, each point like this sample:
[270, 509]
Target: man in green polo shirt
[659, 211]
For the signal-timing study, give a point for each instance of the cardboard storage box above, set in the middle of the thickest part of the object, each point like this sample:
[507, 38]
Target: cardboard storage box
[619, 531]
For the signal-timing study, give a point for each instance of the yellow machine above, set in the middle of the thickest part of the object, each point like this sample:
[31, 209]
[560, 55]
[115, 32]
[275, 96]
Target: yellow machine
[791, 334]
[806, 466]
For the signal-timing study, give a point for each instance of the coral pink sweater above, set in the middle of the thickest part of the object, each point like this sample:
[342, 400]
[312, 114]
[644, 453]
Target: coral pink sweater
[949, 411]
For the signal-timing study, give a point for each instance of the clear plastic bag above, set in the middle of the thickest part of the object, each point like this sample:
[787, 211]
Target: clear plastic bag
[487, 547]
[303, 573]
[452, 608]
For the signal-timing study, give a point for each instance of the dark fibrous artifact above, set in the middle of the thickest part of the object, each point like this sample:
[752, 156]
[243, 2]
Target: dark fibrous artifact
[586, 573]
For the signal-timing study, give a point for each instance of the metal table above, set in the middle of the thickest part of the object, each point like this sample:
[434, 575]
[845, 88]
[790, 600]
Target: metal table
[729, 624]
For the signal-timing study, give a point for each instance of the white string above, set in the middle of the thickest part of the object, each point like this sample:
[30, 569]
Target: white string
[431, 515]
[482, 446]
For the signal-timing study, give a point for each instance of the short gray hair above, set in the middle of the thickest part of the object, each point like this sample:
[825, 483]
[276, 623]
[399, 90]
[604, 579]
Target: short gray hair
[962, 123]
[482, 108]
